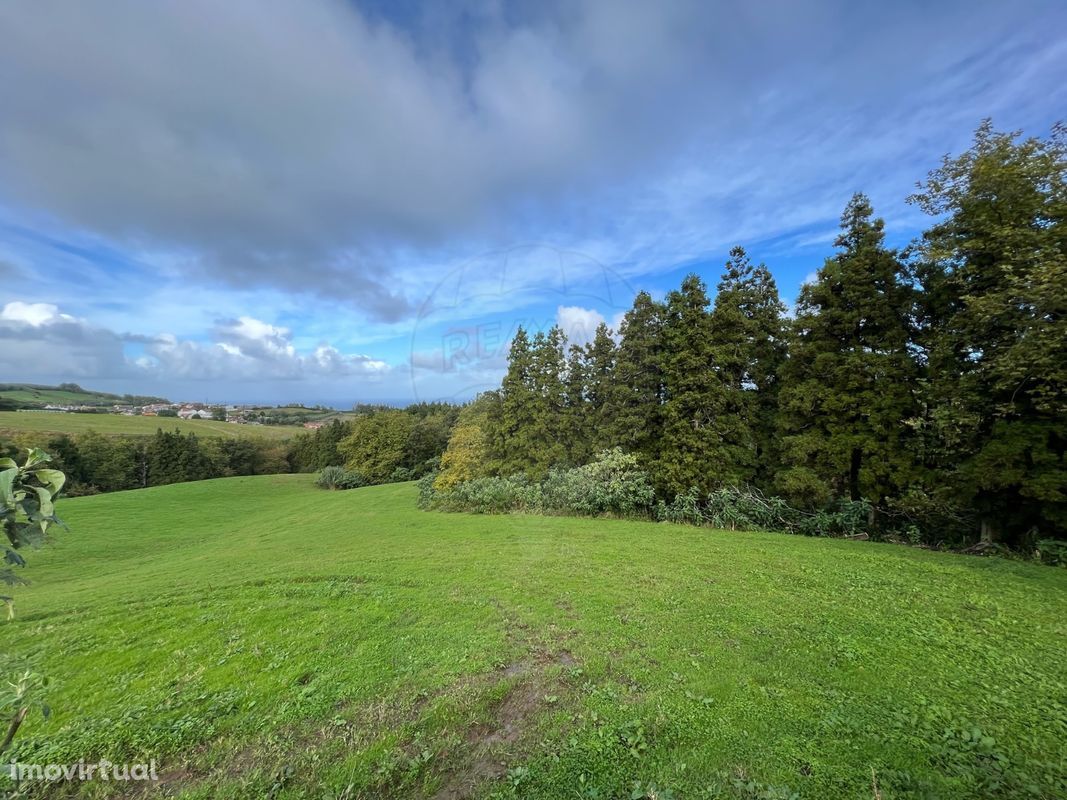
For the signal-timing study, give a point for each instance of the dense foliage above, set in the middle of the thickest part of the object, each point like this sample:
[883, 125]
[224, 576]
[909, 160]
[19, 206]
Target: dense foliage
[339, 478]
[613, 484]
[381, 444]
[917, 394]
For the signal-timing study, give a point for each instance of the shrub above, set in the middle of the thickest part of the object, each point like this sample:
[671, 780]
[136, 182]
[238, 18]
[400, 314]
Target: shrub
[493, 495]
[339, 478]
[612, 484]
[1052, 552]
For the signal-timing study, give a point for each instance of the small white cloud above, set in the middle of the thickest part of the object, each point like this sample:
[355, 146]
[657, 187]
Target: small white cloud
[579, 324]
[35, 314]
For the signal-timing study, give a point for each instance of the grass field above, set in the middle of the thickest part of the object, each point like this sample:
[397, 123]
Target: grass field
[262, 638]
[29, 393]
[50, 422]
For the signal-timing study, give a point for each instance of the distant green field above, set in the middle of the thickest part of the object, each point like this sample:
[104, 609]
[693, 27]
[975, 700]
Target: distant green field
[46, 395]
[52, 422]
[262, 638]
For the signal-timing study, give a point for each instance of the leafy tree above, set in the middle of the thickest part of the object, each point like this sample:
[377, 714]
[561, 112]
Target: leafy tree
[109, 463]
[318, 449]
[465, 456]
[428, 440]
[850, 378]
[994, 276]
[749, 346]
[376, 447]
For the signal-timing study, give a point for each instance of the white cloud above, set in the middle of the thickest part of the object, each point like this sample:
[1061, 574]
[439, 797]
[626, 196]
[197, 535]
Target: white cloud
[41, 341]
[35, 314]
[579, 324]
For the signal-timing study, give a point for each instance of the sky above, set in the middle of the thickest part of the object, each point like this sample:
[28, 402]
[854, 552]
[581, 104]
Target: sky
[339, 202]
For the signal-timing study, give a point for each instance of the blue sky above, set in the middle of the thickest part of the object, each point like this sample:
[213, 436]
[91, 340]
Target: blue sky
[340, 202]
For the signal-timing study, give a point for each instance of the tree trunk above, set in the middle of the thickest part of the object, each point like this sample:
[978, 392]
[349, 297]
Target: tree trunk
[988, 532]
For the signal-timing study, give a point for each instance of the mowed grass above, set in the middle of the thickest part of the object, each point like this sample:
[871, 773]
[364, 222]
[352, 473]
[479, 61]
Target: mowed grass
[259, 637]
[13, 422]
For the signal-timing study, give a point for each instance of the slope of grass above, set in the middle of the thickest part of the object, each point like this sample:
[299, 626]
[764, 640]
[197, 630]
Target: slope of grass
[12, 422]
[43, 395]
[262, 638]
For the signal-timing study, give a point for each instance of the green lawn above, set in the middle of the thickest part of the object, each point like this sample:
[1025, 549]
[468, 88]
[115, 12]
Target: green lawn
[51, 422]
[263, 638]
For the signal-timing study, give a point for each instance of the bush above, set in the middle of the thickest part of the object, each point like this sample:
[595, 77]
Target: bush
[339, 478]
[1052, 552]
[613, 484]
[746, 508]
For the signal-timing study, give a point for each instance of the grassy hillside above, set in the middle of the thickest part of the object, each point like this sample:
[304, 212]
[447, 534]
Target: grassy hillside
[50, 422]
[35, 394]
[259, 636]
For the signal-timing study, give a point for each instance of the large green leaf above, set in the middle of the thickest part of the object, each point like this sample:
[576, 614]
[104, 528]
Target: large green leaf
[7, 485]
[8, 463]
[44, 508]
[52, 478]
[35, 456]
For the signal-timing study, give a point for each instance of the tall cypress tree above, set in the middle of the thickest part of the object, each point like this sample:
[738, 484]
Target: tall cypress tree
[548, 434]
[748, 335]
[509, 424]
[633, 404]
[705, 442]
[600, 376]
[578, 416]
[994, 275]
[849, 382]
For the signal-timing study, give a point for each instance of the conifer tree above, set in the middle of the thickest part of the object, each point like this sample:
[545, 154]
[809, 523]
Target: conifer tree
[994, 275]
[510, 421]
[748, 335]
[633, 404]
[849, 382]
[548, 435]
[578, 418]
[600, 376]
[704, 441]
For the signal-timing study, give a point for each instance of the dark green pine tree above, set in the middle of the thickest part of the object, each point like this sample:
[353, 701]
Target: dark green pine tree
[548, 433]
[748, 335]
[849, 382]
[705, 441]
[633, 405]
[510, 421]
[600, 377]
[994, 275]
[578, 417]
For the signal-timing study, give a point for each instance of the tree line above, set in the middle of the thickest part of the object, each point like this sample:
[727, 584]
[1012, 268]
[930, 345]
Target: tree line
[929, 382]
[382, 444]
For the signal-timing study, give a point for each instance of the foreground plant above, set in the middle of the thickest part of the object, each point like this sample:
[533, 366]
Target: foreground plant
[27, 511]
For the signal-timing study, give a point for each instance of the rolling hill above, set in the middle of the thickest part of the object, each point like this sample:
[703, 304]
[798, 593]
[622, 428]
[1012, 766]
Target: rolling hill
[259, 637]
